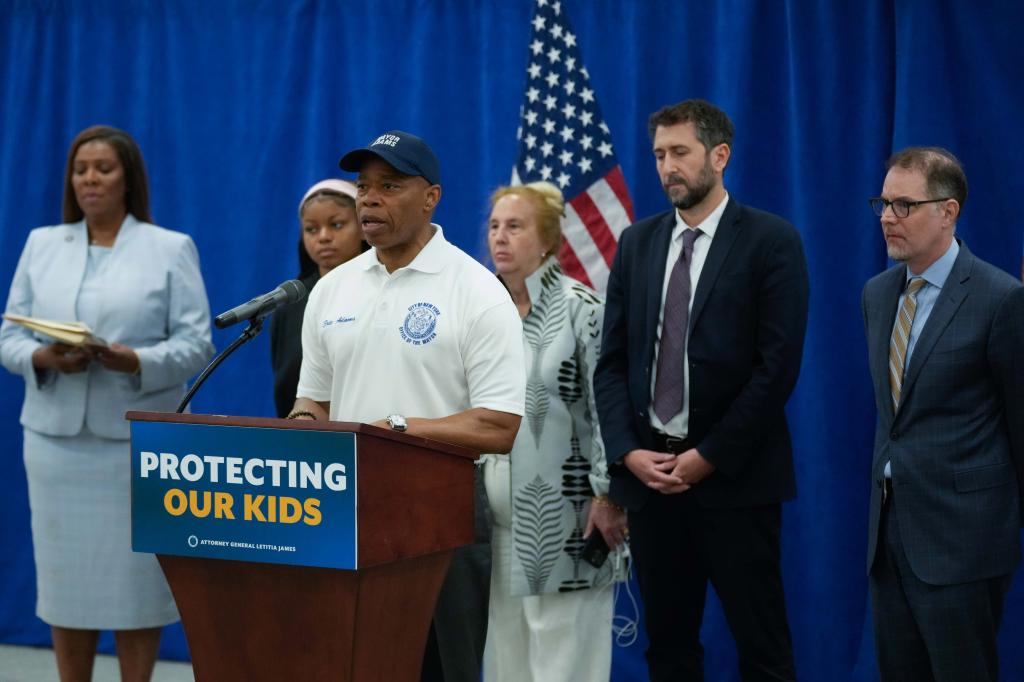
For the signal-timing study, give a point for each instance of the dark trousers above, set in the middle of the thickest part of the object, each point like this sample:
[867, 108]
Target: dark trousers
[931, 632]
[677, 548]
[455, 644]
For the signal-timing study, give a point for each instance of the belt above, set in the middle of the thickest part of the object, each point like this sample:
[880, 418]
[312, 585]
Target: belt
[664, 443]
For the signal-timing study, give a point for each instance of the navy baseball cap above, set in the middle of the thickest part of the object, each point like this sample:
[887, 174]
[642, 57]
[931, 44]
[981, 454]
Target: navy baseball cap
[406, 152]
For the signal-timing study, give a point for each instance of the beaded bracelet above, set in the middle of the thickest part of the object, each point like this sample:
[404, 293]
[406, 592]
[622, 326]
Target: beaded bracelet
[301, 413]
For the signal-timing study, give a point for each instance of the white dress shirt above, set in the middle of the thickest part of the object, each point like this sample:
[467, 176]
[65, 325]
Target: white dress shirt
[678, 425]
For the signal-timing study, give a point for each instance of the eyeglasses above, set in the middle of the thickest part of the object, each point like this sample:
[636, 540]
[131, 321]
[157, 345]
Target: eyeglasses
[900, 207]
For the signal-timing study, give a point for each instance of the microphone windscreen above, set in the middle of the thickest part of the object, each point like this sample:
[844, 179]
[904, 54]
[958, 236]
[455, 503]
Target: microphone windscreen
[295, 290]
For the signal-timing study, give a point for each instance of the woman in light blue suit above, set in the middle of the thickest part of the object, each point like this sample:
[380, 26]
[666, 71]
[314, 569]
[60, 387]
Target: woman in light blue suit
[138, 286]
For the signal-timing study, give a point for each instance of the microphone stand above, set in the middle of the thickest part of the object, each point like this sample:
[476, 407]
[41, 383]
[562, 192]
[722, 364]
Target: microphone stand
[250, 333]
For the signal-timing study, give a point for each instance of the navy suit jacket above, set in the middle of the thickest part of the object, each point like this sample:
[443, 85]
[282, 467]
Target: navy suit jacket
[956, 443]
[747, 325]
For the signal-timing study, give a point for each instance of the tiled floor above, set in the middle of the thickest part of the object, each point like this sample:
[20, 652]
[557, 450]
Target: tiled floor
[32, 664]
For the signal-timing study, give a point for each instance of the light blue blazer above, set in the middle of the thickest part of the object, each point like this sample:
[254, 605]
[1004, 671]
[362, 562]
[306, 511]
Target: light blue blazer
[153, 301]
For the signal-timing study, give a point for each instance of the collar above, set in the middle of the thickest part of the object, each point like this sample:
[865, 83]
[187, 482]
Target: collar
[129, 222]
[937, 273]
[708, 226]
[535, 283]
[431, 259]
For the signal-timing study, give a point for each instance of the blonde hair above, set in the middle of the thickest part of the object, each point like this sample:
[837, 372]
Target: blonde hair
[547, 201]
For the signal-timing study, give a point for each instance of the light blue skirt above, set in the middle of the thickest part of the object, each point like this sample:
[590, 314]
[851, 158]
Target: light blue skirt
[86, 573]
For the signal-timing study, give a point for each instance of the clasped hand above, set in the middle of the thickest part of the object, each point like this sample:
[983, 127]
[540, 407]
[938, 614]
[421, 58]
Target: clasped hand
[667, 473]
[72, 359]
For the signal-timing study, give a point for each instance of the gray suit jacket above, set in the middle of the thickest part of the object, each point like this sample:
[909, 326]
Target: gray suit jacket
[153, 300]
[956, 442]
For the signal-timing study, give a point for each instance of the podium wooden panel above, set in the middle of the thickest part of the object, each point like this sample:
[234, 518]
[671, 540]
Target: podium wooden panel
[260, 621]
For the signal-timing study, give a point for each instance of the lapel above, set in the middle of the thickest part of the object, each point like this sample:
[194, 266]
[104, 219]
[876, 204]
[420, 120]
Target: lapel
[729, 228]
[953, 293]
[125, 235]
[883, 318]
[124, 250]
[69, 268]
[655, 258]
[69, 260]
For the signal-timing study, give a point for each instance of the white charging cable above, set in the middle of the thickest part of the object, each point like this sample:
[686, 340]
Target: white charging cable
[624, 627]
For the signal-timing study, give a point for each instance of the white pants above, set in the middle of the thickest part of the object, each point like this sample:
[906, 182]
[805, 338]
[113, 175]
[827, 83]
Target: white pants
[559, 637]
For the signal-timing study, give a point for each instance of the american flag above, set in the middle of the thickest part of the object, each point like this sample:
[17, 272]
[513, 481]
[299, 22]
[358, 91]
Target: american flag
[564, 140]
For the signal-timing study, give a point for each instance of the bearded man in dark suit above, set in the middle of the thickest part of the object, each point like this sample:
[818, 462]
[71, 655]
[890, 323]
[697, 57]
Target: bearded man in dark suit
[704, 329]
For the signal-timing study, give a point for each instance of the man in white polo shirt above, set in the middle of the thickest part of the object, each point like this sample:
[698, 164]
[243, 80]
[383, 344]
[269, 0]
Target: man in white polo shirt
[417, 336]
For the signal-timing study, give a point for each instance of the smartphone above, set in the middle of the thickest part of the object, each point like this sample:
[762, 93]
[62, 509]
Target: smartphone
[595, 551]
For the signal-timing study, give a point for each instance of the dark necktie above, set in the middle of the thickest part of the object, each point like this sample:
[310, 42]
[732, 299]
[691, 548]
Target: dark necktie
[669, 383]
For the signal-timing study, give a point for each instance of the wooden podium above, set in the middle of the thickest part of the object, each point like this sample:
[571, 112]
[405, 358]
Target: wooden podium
[248, 620]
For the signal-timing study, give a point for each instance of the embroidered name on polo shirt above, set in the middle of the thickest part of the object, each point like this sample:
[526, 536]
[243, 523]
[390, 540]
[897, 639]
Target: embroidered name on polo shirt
[340, 320]
[420, 326]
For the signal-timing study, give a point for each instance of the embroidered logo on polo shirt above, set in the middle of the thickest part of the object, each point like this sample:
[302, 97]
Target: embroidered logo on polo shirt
[420, 326]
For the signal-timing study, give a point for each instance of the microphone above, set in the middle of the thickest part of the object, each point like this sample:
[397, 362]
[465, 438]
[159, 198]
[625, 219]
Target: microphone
[289, 292]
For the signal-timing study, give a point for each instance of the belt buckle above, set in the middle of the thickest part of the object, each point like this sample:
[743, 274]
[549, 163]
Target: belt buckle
[675, 445]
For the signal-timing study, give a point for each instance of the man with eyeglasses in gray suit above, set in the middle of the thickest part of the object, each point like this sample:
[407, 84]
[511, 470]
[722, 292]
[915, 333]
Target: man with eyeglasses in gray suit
[945, 334]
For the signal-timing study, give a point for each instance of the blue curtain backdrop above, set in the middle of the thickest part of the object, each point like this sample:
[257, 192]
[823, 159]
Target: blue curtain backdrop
[241, 105]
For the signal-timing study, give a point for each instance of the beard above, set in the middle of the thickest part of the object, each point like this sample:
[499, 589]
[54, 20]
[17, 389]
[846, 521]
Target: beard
[897, 253]
[690, 195]
[896, 248]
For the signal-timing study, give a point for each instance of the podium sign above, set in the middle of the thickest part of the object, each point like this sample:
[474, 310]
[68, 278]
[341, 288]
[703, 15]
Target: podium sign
[279, 498]
[250, 494]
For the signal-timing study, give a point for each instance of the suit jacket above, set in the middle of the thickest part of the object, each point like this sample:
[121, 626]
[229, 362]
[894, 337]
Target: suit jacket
[153, 300]
[746, 334]
[956, 443]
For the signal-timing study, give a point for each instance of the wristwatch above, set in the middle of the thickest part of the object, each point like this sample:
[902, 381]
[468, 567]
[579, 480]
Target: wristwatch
[397, 422]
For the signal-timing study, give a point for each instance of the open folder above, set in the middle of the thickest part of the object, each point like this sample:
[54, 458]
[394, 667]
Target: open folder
[71, 333]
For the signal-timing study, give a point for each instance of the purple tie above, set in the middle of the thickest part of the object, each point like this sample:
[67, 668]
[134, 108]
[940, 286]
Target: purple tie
[669, 385]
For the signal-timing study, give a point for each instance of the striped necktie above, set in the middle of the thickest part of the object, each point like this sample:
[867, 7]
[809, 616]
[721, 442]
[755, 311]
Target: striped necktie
[900, 339]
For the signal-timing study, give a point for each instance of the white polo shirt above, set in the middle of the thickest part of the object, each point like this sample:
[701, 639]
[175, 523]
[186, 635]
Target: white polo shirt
[439, 336]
